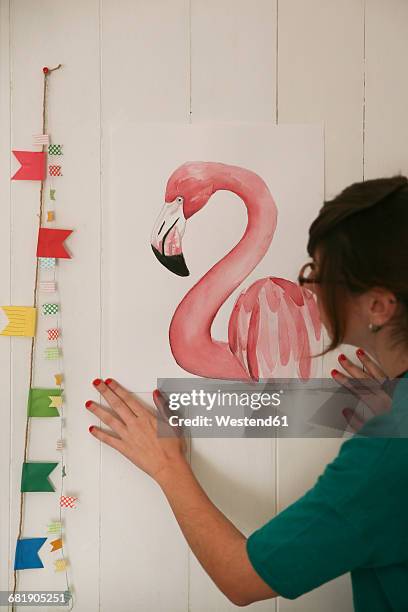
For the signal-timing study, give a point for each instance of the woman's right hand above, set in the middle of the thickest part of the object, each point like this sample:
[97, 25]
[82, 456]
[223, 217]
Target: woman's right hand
[372, 394]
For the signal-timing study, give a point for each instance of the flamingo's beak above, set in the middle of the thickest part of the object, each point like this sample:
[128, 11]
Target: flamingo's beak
[166, 237]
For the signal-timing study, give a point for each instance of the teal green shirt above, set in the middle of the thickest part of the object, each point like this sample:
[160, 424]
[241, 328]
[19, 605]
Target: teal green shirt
[354, 519]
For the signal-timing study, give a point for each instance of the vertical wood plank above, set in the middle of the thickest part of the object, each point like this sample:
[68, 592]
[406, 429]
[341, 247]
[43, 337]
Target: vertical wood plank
[145, 77]
[50, 33]
[5, 429]
[386, 100]
[145, 61]
[321, 79]
[233, 61]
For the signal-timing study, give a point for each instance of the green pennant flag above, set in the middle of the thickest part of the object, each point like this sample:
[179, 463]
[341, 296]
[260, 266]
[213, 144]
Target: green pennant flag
[42, 402]
[35, 476]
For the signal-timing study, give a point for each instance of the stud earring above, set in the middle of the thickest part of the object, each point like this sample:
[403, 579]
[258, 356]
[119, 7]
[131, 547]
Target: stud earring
[374, 328]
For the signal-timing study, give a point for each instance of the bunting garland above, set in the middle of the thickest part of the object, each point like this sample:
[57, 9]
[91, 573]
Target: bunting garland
[43, 402]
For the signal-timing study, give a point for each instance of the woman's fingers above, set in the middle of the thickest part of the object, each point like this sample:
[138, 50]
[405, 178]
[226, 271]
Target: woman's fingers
[354, 421]
[366, 389]
[106, 417]
[351, 368]
[108, 438]
[345, 381]
[161, 404]
[371, 367]
[128, 398]
[119, 406]
[165, 412]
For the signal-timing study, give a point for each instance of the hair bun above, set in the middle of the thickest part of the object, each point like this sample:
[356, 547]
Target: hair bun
[360, 196]
[355, 198]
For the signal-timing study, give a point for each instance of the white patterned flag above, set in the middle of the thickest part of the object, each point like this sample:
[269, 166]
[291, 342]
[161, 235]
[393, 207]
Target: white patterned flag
[48, 286]
[53, 352]
[41, 139]
[55, 527]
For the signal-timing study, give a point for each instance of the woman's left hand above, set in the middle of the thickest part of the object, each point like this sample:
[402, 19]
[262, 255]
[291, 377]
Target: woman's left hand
[134, 429]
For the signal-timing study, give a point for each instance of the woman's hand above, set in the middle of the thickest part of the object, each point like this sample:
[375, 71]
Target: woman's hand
[134, 429]
[371, 393]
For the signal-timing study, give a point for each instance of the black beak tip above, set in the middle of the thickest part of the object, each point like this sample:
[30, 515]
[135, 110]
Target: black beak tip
[174, 263]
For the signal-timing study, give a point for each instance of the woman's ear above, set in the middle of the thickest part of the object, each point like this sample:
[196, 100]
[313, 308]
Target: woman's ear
[381, 306]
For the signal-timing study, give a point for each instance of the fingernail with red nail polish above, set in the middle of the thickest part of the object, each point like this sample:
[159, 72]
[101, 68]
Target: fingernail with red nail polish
[91, 427]
[334, 372]
[96, 382]
[108, 381]
[88, 403]
[342, 357]
[360, 352]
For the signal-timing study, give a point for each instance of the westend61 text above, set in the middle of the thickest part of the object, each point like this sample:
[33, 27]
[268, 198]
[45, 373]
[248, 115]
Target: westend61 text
[228, 421]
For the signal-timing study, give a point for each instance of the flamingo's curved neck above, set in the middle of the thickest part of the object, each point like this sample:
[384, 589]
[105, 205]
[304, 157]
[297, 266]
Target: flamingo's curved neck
[190, 329]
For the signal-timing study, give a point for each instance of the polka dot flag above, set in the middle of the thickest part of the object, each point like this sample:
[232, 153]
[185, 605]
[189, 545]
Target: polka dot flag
[46, 262]
[55, 149]
[54, 170]
[53, 334]
[50, 309]
[67, 501]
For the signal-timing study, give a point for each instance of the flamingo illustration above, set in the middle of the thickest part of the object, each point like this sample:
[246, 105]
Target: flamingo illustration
[273, 321]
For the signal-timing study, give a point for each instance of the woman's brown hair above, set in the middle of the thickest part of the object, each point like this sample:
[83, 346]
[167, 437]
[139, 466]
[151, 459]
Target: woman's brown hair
[362, 239]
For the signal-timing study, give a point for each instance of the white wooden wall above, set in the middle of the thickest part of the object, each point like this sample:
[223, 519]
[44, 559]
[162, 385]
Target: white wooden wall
[340, 62]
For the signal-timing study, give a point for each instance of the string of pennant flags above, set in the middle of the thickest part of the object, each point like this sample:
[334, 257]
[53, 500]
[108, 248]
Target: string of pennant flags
[43, 166]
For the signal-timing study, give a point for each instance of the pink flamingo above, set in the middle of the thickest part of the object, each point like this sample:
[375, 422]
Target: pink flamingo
[270, 321]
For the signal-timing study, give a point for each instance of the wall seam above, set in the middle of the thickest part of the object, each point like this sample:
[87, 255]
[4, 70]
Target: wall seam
[364, 87]
[100, 287]
[190, 120]
[277, 65]
[10, 290]
[274, 441]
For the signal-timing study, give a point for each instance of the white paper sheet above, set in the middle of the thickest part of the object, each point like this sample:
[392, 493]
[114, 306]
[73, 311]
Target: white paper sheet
[141, 294]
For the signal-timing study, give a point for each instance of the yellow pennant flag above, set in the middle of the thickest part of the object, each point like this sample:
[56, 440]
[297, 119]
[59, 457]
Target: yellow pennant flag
[56, 401]
[17, 320]
[60, 565]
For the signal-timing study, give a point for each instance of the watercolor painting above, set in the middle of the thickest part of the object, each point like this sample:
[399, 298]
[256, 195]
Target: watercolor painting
[273, 322]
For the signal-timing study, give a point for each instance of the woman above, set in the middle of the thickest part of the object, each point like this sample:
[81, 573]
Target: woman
[355, 518]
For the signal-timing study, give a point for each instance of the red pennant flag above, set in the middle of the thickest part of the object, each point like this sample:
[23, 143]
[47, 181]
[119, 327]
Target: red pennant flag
[32, 166]
[51, 243]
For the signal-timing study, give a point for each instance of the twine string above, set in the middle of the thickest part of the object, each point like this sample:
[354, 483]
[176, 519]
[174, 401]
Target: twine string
[33, 340]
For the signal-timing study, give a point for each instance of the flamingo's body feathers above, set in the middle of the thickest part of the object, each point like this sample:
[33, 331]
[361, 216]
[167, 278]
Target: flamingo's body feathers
[274, 322]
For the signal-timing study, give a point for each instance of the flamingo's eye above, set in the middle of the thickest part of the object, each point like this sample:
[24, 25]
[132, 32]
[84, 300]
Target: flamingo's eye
[179, 200]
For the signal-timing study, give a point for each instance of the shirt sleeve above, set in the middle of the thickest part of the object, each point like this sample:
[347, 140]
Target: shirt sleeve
[304, 546]
[352, 517]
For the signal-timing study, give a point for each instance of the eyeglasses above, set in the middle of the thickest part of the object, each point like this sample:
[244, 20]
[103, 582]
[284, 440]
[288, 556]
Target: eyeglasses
[307, 274]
